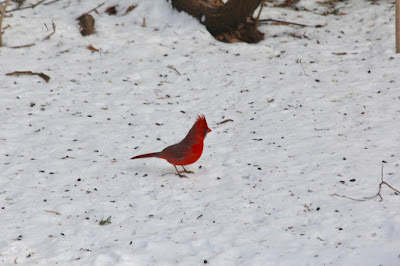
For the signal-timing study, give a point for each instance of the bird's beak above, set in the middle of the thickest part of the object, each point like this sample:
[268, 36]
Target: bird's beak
[208, 130]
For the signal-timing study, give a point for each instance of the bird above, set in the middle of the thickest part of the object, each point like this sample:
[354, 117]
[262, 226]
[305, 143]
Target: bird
[187, 151]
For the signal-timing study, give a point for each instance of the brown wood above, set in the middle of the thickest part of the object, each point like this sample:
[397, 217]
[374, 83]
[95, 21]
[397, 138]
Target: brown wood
[18, 73]
[231, 18]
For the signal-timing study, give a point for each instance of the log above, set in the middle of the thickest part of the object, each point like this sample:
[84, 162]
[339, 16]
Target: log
[232, 17]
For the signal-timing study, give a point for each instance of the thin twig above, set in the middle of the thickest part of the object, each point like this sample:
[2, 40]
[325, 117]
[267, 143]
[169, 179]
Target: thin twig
[288, 22]
[54, 31]
[342, 196]
[38, 3]
[57, 213]
[22, 46]
[378, 194]
[226, 120]
[391, 187]
[3, 13]
[17, 73]
[51, 2]
[173, 68]
[259, 13]
[299, 60]
[26, 7]
[93, 9]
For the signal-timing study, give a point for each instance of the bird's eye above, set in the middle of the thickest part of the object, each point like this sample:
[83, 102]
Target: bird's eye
[205, 131]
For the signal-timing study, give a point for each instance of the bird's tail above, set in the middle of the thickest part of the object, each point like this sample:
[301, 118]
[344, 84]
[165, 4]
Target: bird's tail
[149, 155]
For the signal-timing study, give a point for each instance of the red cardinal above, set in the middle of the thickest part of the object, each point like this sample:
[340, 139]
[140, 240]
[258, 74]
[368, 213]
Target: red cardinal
[188, 150]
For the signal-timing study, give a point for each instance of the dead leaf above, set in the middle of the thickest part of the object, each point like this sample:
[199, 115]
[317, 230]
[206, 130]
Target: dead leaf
[111, 10]
[91, 48]
[130, 8]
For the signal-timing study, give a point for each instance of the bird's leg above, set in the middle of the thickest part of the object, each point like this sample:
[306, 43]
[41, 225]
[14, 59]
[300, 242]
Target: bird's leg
[181, 176]
[186, 171]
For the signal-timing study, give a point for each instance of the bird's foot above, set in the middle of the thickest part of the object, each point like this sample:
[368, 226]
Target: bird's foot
[179, 174]
[186, 171]
[189, 172]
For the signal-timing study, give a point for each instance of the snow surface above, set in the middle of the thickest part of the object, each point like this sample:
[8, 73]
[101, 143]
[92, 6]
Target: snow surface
[308, 122]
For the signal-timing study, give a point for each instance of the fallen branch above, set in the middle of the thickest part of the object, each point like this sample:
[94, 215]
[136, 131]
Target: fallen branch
[376, 195]
[54, 31]
[289, 23]
[18, 73]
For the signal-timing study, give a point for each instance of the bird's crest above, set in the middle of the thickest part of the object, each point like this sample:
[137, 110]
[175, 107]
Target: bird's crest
[201, 118]
[201, 121]
[201, 124]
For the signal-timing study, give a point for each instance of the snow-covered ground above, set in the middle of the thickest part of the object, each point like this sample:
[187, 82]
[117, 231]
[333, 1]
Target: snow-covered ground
[311, 117]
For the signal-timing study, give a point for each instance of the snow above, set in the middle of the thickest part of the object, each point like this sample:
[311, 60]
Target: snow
[309, 115]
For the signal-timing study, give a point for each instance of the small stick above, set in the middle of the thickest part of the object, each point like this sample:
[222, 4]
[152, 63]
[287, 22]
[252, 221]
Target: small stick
[22, 46]
[173, 68]
[3, 13]
[51, 2]
[93, 9]
[54, 31]
[38, 3]
[52, 212]
[259, 13]
[288, 22]
[299, 60]
[376, 195]
[223, 122]
[343, 196]
[17, 73]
